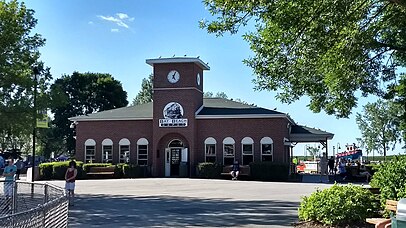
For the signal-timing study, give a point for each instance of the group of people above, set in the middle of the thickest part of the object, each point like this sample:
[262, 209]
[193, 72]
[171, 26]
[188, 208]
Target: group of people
[333, 166]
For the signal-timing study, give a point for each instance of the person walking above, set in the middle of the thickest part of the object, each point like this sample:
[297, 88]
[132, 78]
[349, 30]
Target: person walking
[20, 165]
[70, 177]
[9, 174]
[331, 164]
[323, 167]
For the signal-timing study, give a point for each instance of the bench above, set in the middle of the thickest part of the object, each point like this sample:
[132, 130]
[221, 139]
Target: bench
[101, 171]
[244, 170]
[391, 205]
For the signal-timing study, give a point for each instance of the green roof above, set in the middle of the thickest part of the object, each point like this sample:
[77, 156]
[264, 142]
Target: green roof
[301, 133]
[143, 111]
[211, 107]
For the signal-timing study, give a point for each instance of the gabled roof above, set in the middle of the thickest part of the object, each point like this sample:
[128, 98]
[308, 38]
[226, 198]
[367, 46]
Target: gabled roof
[224, 108]
[212, 108]
[137, 112]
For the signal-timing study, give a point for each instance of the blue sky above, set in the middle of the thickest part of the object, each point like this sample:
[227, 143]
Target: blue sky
[116, 37]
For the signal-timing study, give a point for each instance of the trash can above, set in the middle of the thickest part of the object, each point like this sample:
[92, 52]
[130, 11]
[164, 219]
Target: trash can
[400, 220]
[183, 169]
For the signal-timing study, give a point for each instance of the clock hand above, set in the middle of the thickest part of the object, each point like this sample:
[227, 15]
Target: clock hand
[173, 76]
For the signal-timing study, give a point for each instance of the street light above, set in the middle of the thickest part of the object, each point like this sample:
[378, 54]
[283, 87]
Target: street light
[305, 151]
[338, 147]
[36, 72]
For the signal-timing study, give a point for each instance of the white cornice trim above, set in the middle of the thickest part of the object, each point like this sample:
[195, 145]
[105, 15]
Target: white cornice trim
[245, 116]
[178, 88]
[198, 61]
[198, 110]
[108, 119]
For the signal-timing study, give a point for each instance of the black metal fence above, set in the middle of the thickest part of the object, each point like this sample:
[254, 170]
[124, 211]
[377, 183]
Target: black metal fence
[25, 204]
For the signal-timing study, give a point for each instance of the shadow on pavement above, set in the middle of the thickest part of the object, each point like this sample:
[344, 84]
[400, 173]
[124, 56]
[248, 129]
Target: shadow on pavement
[169, 211]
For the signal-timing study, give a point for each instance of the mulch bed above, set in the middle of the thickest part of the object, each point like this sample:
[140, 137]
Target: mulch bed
[319, 225]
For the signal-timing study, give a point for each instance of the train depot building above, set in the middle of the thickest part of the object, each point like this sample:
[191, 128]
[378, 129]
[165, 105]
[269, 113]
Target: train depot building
[180, 128]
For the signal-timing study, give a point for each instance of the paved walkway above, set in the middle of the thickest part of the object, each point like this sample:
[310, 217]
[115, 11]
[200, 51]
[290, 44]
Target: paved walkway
[172, 202]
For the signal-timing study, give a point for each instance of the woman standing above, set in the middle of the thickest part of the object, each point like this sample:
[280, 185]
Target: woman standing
[70, 177]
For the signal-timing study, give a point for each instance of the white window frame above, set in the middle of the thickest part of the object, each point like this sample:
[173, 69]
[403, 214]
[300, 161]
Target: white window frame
[124, 154]
[210, 141]
[266, 141]
[105, 144]
[88, 144]
[142, 142]
[247, 141]
[228, 141]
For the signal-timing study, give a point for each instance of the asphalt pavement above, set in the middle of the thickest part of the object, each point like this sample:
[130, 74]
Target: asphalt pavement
[180, 202]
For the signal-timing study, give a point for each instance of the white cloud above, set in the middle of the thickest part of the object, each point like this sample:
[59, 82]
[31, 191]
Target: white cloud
[114, 30]
[90, 23]
[120, 19]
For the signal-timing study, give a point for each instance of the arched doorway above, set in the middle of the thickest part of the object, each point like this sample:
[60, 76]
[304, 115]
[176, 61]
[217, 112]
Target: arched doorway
[173, 157]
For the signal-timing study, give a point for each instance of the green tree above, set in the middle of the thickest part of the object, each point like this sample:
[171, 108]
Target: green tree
[379, 126]
[398, 93]
[145, 94]
[313, 151]
[331, 51]
[217, 95]
[18, 55]
[82, 94]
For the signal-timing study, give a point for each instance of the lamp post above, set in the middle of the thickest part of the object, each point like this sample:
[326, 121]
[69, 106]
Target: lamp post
[35, 70]
[305, 151]
[338, 147]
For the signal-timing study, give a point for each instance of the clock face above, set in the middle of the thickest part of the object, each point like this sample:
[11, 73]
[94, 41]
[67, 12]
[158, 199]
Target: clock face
[173, 76]
[198, 79]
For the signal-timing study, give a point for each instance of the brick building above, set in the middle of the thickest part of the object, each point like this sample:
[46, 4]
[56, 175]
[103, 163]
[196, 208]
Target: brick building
[180, 128]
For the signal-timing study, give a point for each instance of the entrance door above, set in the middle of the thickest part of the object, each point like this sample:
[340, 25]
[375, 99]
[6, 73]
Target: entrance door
[173, 158]
[175, 161]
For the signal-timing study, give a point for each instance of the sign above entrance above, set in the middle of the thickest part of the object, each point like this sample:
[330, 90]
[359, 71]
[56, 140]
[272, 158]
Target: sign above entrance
[173, 116]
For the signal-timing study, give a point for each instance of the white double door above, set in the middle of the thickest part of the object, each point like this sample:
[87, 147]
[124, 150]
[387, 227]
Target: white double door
[173, 157]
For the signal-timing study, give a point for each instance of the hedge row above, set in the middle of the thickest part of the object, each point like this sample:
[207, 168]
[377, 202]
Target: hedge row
[264, 171]
[57, 170]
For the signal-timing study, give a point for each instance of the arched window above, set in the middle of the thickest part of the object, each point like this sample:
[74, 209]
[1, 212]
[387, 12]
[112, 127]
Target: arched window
[107, 151]
[142, 149]
[247, 145]
[266, 149]
[228, 151]
[124, 150]
[90, 151]
[210, 149]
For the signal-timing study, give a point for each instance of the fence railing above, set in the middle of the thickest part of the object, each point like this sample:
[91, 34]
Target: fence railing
[26, 204]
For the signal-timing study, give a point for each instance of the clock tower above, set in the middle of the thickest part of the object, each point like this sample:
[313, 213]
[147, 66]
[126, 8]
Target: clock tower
[177, 95]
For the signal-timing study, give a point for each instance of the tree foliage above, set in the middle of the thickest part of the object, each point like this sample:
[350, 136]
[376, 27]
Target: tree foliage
[217, 95]
[313, 151]
[18, 55]
[327, 50]
[379, 126]
[82, 94]
[390, 179]
[397, 92]
[145, 94]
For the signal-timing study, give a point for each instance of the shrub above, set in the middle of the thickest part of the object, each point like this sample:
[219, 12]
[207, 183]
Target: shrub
[57, 170]
[134, 171]
[209, 170]
[86, 167]
[390, 178]
[339, 205]
[45, 170]
[269, 171]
